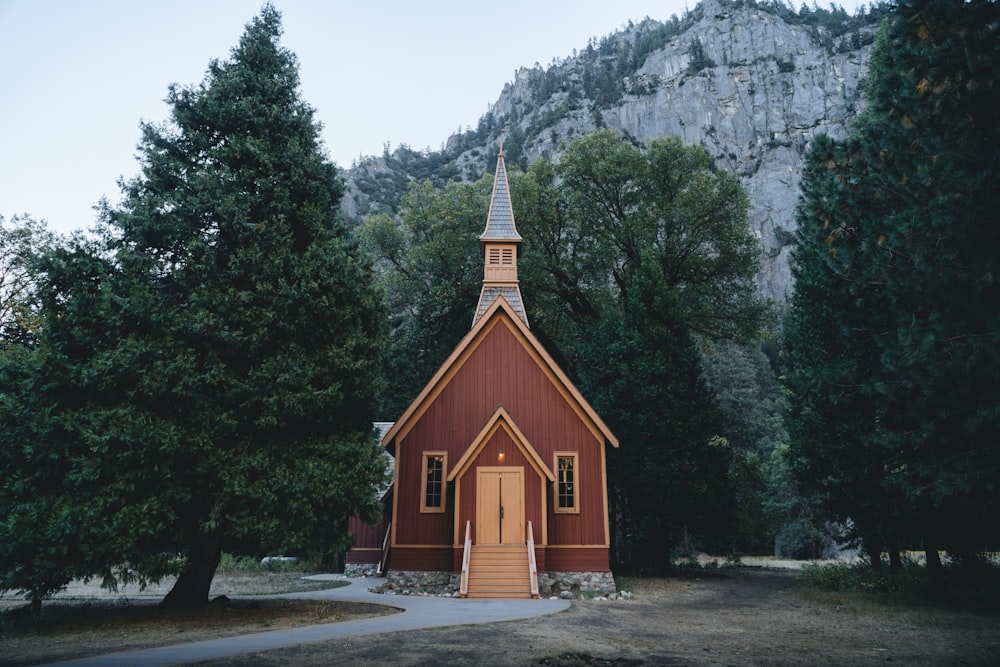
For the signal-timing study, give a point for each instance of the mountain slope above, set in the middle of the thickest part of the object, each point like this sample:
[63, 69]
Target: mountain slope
[753, 83]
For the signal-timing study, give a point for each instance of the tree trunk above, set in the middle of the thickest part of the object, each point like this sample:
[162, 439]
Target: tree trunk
[622, 548]
[895, 561]
[873, 547]
[190, 591]
[937, 587]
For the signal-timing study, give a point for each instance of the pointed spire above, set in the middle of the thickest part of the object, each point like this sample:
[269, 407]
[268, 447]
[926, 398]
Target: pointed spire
[500, 221]
[500, 245]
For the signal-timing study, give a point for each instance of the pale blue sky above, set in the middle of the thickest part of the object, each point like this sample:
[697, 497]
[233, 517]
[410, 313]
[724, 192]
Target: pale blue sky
[78, 76]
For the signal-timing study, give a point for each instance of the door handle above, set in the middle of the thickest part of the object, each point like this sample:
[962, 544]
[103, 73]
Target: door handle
[501, 512]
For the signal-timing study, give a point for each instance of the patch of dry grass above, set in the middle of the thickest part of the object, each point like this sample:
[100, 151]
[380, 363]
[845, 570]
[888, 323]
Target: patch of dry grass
[71, 627]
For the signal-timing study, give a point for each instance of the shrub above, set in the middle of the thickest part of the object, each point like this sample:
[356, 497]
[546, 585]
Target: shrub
[972, 585]
[233, 564]
[861, 578]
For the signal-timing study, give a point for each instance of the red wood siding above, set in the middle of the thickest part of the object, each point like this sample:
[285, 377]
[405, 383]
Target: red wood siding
[418, 527]
[587, 526]
[434, 559]
[368, 538]
[500, 371]
[540, 560]
[576, 560]
[363, 556]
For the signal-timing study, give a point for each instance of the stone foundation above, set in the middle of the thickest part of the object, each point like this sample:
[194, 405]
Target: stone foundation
[417, 582]
[360, 569]
[554, 583]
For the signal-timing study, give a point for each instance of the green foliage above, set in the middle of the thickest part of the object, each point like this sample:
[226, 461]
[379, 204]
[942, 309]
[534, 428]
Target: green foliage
[836, 452]
[752, 407]
[931, 137]
[692, 567]
[20, 240]
[667, 206]
[430, 272]
[203, 376]
[802, 537]
[859, 577]
[642, 374]
[630, 258]
[698, 60]
[975, 587]
[233, 564]
[894, 332]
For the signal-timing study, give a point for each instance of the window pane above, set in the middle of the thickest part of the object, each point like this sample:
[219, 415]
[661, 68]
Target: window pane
[567, 497]
[434, 481]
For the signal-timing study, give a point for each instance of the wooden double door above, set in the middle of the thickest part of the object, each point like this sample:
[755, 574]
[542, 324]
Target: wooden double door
[500, 505]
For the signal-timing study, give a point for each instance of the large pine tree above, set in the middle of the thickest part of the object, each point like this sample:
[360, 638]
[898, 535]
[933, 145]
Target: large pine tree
[836, 447]
[912, 250]
[205, 373]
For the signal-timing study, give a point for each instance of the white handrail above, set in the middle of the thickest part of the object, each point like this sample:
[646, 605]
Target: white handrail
[386, 544]
[532, 566]
[463, 588]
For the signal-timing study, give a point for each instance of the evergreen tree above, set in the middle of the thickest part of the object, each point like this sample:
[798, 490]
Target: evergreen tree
[204, 377]
[915, 245]
[836, 450]
[932, 136]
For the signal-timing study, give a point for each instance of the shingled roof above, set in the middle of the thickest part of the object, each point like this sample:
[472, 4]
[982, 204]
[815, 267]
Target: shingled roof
[500, 221]
[490, 293]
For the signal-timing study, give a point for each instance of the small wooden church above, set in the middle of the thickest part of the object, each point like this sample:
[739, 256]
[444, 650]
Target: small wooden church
[499, 486]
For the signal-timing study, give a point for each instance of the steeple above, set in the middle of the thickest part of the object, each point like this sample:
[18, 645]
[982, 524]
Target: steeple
[500, 246]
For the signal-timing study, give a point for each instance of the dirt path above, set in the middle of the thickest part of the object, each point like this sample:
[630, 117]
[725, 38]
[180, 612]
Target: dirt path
[740, 618]
[729, 617]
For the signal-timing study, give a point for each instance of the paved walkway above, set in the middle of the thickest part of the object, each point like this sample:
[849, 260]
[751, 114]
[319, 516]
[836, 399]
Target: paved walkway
[418, 613]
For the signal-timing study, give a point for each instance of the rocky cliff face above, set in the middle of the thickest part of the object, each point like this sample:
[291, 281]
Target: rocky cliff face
[774, 89]
[751, 88]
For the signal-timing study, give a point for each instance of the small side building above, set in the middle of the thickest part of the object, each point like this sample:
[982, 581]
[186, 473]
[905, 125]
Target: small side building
[500, 482]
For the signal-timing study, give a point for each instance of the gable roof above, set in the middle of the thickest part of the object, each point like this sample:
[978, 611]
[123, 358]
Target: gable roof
[501, 419]
[500, 313]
